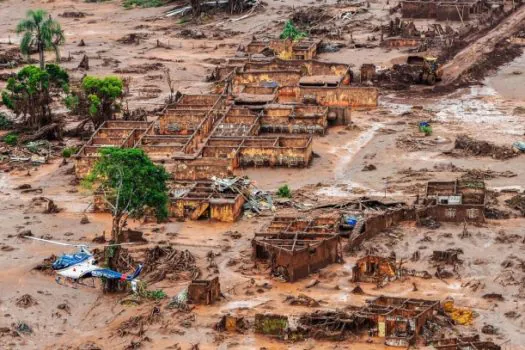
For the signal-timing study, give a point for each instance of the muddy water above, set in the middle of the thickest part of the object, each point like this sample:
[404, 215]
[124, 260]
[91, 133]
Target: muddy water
[509, 81]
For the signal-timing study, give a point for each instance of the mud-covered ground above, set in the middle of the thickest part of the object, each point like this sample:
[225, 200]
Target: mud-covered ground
[386, 137]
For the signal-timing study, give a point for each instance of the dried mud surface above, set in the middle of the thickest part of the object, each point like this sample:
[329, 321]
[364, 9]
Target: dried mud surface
[387, 137]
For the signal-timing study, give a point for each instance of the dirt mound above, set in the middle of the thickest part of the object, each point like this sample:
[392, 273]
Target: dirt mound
[469, 146]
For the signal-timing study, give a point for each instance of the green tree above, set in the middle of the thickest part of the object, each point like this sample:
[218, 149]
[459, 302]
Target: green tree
[132, 186]
[100, 98]
[42, 32]
[32, 91]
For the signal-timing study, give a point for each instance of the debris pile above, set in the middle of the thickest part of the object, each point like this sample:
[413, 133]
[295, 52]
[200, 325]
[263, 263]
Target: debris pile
[26, 301]
[301, 299]
[132, 38]
[163, 262]
[517, 203]
[10, 57]
[331, 325]
[46, 265]
[480, 174]
[44, 205]
[473, 147]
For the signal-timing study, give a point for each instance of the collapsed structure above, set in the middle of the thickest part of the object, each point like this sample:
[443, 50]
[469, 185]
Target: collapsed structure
[456, 201]
[400, 322]
[204, 292]
[293, 248]
[380, 270]
[270, 100]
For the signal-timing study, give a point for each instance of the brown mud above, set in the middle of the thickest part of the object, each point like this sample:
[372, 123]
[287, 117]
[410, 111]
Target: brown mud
[388, 138]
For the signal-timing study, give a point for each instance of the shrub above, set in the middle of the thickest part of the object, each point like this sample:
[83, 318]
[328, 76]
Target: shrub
[290, 31]
[284, 191]
[11, 139]
[427, 130]
[69, 151]
[5, 123]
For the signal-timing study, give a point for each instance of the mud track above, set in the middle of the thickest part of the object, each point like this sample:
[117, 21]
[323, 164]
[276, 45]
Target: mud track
[467, 57]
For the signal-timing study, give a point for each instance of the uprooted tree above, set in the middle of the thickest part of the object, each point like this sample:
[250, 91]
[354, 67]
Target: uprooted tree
[32, 91]
[100, 98]
[40, 32]
[132, 186]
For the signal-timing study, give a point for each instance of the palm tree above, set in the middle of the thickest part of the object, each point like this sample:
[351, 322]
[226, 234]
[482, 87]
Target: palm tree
[40, 31]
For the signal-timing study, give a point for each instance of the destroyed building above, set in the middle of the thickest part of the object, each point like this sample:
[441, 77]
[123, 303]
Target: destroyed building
[381, 270]
[374, 269]
[461, 343]
[293, 248]
[456, 201]
[204, 292]
[399, 322]
[264, 115]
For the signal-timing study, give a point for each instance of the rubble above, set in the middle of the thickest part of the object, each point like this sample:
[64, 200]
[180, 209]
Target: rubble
[302, 300]
[204, 292]
[231, 323]
[469, 146]
[163, 262]
[517, 202]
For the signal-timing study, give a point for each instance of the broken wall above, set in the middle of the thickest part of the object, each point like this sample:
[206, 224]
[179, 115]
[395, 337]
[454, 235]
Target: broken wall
[204, 292]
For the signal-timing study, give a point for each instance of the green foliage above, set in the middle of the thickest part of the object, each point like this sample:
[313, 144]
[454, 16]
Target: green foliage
[157, 294]
[131, 182]
[142, 3]
[284, 191]
[30, 92]
[71, 102]
[100, 98]
[69, 151]
[11, 139]
[427, 130]
[40, 32]
[143, 292]
[5, 123]
[290, 31]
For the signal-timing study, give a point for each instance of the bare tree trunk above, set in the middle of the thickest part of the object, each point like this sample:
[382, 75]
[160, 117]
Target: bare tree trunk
[41, 54]
[112, 253]
[236, 6]
[196, 7]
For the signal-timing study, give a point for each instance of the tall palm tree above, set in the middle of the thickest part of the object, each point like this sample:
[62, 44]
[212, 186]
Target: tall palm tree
[40, 31]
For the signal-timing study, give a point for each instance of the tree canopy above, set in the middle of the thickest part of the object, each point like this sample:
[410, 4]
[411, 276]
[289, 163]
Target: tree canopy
[31, 92]
[98, 97]
[131, 184]
[40, 32]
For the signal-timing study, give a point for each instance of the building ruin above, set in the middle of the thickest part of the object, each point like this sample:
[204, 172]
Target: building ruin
[456, 201]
